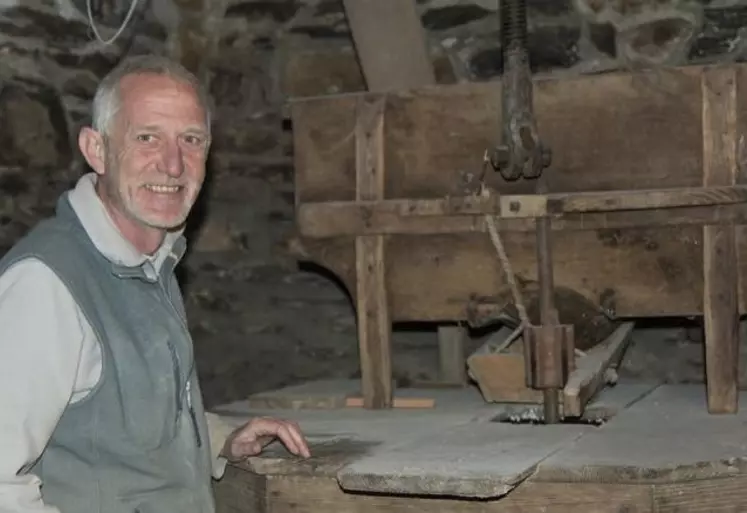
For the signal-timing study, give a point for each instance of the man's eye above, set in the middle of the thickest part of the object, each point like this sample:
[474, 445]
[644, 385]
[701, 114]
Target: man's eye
[194, 140]
[145, 138]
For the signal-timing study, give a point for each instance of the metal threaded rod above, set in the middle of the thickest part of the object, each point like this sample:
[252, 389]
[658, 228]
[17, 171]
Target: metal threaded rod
[514, 24]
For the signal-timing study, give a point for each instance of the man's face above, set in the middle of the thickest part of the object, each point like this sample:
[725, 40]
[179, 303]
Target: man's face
[155, 153]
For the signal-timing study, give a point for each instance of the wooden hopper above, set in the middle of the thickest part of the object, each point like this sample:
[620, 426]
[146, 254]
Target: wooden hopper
[646, 200]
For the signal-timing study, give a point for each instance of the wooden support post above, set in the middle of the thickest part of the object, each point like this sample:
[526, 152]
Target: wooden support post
[391, 45]
[452, 360]
[374, 327]
[720, 301]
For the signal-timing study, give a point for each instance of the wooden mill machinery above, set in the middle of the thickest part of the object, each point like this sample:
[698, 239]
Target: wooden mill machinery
[624, 191]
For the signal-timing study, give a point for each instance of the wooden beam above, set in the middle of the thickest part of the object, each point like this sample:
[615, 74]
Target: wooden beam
[531, 206]
[721, 271]
[589, 375]
[374, 327]
[346, 219]
[391, 46]
[390, 43]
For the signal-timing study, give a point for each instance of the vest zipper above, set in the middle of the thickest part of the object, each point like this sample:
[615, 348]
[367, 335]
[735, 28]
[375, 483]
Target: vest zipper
[177, 379]
[192, 413]
[188, 384]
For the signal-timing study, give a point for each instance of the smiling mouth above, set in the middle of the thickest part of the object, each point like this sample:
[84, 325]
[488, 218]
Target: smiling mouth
[163, 189]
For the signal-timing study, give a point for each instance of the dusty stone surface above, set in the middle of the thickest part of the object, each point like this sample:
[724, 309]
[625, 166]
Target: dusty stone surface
[474, 460]
[258, 322]
[662, 434]
[667, 436]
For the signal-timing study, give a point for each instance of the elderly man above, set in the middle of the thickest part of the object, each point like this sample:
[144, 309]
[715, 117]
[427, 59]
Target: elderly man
[101, 407]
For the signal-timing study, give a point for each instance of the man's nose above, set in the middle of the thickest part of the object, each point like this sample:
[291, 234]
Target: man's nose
[173, 161]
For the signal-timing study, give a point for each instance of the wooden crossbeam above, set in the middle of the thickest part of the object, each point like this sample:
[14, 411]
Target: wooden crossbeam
[575, 211]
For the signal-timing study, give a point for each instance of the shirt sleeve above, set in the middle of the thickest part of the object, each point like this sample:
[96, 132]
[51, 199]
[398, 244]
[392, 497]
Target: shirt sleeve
[41, 336]
[218, 432]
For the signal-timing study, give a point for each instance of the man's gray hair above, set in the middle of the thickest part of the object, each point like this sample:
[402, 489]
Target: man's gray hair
[106, 101]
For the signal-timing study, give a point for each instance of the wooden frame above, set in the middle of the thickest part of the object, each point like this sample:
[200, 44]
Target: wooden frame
[410, 244]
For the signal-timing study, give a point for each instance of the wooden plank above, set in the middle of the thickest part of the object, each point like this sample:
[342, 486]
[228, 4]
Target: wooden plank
[721, 271]
[608, 132]
[451, 357]
[374, 327]
[390, 43]
[589, 375]
[741, 225]
[322, 495]
[724, 495]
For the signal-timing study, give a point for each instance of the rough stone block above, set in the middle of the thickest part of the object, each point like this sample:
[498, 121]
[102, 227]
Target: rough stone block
[34, 131]
[722, 35]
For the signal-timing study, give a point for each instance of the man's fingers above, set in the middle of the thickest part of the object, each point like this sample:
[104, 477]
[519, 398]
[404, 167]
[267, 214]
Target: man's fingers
[303, 447]
[285, 435]
[264, 430]
[291, 436]
[244, 449]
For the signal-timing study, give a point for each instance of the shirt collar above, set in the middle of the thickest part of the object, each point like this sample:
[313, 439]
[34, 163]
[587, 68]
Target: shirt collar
[105, 235]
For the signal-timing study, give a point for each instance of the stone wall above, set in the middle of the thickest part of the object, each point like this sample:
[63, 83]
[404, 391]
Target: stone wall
[257, 322]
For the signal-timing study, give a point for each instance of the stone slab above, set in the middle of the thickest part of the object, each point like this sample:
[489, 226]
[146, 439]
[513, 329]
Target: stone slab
[345, 436]
[339, 436]
[668, 436]
[477, 460]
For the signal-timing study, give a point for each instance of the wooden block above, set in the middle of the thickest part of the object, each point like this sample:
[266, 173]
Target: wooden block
[239, 491]
[451, 356]
[720, 265]
[397, 402]
[374, 327]
[502, 378]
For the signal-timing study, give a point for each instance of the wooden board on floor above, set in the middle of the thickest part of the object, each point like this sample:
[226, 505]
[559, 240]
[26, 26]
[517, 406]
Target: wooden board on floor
[618, 131]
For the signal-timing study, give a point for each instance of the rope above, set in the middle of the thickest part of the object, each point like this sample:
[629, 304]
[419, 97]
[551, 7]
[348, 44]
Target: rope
[128, 17]
[495, 237]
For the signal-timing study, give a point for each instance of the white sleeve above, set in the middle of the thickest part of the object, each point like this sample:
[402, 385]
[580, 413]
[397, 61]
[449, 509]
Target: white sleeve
[41, 335]
[218, 432]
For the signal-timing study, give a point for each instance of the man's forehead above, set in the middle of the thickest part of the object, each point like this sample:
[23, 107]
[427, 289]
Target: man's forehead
[158, 93]
[152, 87]
[154, 81]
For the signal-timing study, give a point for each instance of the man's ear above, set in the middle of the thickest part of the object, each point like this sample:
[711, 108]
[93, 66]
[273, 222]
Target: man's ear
[91, 144]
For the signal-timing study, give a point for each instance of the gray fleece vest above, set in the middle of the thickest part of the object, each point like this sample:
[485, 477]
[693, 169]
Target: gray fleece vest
[138, 443]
